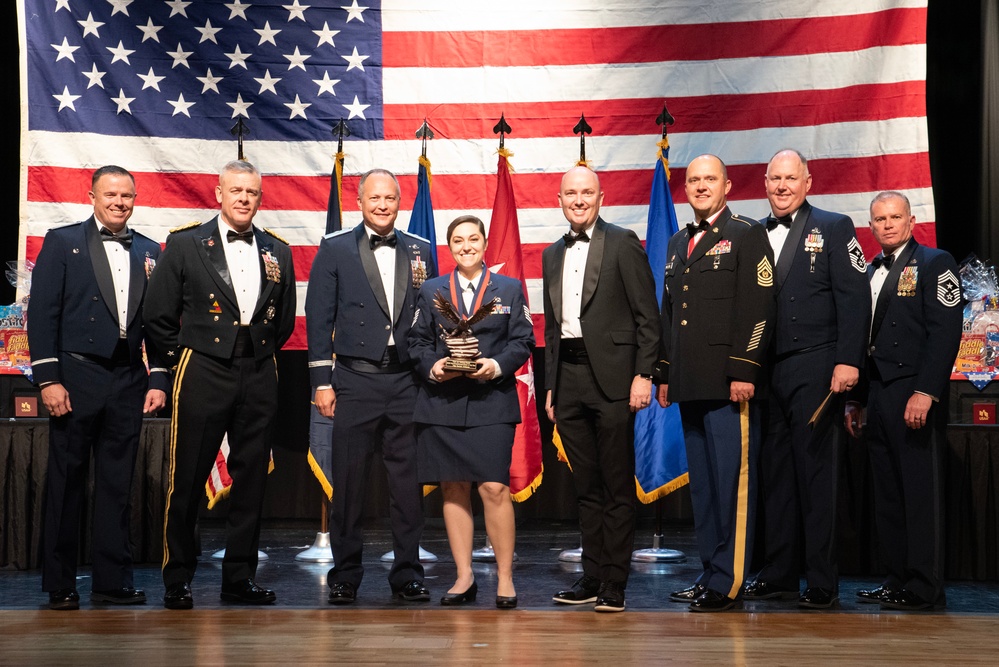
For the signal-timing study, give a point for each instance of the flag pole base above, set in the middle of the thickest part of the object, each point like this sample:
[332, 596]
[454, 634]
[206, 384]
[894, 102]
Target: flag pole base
[425, 556]
[571, 555]
[319, 552]
[657, 554]
[487, 555]
[220, 554]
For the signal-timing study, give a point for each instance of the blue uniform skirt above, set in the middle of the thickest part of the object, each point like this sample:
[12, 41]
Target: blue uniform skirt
[470, 454]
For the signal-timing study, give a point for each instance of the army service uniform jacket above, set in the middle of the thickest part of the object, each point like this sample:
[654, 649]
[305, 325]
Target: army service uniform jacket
[718, 309]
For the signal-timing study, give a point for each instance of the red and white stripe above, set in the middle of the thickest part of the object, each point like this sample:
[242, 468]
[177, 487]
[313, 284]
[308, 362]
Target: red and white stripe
[842, 82]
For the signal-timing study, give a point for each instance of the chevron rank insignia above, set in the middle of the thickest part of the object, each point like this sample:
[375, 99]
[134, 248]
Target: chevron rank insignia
[948, 289]
[764, 273]
[856, 255]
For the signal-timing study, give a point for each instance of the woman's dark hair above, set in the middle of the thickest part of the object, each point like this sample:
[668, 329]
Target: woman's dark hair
[462, 219]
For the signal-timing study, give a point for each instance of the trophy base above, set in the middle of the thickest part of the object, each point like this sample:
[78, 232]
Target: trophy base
[460, 365]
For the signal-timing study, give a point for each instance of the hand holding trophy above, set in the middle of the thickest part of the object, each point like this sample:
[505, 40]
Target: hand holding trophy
[461, 344]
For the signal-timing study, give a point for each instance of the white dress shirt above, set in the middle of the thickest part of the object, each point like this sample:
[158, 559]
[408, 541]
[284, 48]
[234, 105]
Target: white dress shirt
[243, 260]
[385, 258]
[778, 235]
[119, 261]
[573, 270]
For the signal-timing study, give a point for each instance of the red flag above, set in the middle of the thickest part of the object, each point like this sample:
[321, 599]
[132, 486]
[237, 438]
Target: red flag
[504, 256]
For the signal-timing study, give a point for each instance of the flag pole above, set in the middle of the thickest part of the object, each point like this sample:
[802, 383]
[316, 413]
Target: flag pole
[659, 554]
[239, 130]
[320, 551]
[582, 128]
[486, 553]
[424, 133]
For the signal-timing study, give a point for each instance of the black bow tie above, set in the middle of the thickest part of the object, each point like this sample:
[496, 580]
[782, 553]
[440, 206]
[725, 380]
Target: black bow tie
[246, 236]
[772, 222]
[377, 241]
[693, 228]
[570, 240]
[886, 262]
[125, 239]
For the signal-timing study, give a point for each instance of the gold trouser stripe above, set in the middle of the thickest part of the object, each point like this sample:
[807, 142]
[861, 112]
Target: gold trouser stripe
[742, 504]
[185, 356]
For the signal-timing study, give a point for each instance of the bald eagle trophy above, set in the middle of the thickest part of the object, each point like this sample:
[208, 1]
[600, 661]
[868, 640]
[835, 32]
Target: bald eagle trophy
[461, 344]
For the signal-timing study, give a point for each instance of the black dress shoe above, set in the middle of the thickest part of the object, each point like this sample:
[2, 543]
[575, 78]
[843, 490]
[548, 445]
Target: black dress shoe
[584, 590]
[906, 600]
[506, 602]
[688, 594]
[817, 598]
[342, 593]
[763, 590]
[247, 592]
[451, 599]
[64, 599]
[711, 600]
[178, 596]
[875, 595]
[127, 595]
[610, 597]
[413, 591]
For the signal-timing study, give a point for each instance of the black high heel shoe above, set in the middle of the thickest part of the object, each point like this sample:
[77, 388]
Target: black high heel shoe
[505, 602]
[461, 598]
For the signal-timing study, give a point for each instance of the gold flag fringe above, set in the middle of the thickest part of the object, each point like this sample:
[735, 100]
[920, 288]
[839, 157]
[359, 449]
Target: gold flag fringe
[662, 491]
[425, 161]
[321, 476]
[663, 145]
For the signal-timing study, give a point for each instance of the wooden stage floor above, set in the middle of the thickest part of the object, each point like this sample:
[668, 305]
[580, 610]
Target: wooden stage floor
[302, 629]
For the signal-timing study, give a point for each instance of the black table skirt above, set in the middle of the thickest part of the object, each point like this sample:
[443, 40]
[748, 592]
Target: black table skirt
[23, 458]
[972, 512]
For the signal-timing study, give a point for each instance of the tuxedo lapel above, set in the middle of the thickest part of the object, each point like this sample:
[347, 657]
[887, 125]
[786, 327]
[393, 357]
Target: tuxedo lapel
[791, 244]
[890, 285]
[555, 278]
[136, 282]
[371, 268]
[209, 238]
[102, 269]
[594, 259]
[402, 275]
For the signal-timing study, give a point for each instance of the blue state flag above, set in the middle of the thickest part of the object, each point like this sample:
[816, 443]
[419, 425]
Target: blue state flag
[660, 457]
[422, 221]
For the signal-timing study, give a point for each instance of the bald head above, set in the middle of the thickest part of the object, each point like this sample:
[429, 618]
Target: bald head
[707, 185]
[580, 196]
[787, 182]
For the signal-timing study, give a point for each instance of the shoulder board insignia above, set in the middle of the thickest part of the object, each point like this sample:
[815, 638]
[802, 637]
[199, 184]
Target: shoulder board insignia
[339, 232]
[275, 235]
[190, 225]
[415, 236]
[745, 221]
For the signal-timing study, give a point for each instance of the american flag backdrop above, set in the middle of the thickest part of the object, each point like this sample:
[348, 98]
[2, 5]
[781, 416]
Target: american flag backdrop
[155, 86]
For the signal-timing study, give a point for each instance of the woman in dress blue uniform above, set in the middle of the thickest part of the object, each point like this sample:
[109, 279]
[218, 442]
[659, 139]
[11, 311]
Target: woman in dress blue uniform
[466, 421]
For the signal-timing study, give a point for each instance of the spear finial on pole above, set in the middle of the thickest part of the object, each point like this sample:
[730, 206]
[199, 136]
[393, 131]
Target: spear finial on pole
[239, 130]
[665, 119]
[340, 130]
[502, 128]
[424, 133]
[582, 129]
